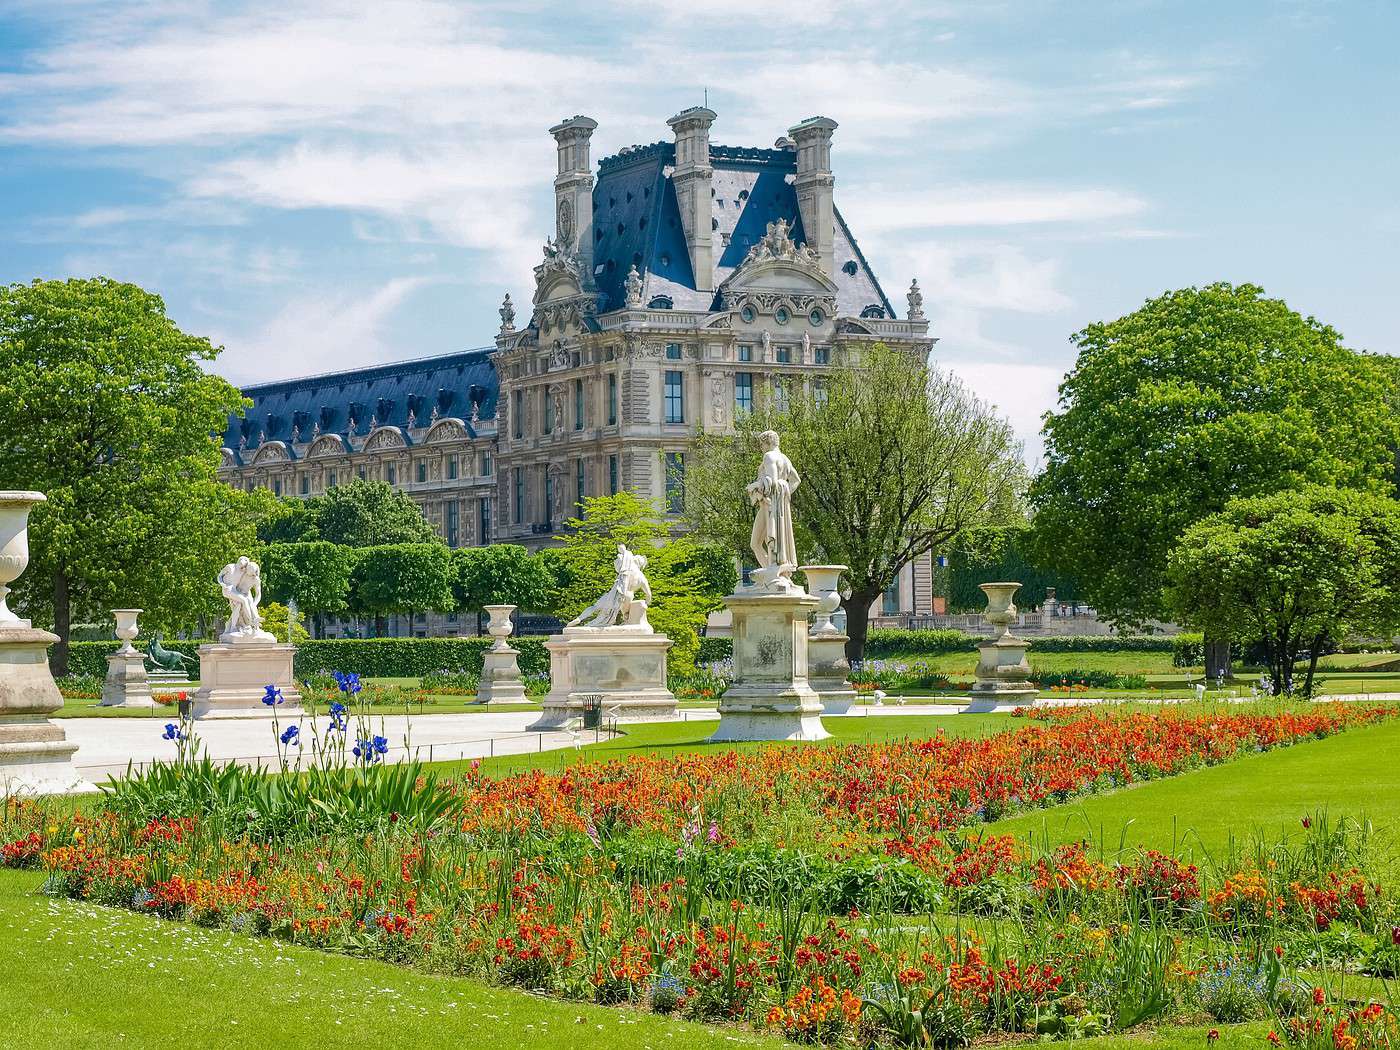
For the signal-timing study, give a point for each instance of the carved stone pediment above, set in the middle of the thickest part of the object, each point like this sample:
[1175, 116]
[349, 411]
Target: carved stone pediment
[384, 438]
[227, 458]
[449, 428]
[327, 445]
[272, 452]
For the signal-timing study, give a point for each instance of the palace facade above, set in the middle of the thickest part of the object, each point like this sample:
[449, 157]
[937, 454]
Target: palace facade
[684, 282]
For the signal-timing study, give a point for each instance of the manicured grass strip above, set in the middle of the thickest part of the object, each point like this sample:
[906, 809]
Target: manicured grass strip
[79, 975]
[1354, 773]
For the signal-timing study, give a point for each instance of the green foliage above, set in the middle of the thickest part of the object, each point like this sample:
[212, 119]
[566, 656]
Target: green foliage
[290, 521]
[274, 617]
[1200, 395]
[116, 412]
[897, 460]
[886, 642]
[369, 514]
[401, 578]
[1000, 553]
[713, 649]
[681, 572]
[1189, 649]
[501, 574]
[1297, 570]
[315, 573]
[409, 657]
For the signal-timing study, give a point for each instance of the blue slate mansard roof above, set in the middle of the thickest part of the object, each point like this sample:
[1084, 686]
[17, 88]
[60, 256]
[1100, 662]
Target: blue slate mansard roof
[451, 383]
[636, 221]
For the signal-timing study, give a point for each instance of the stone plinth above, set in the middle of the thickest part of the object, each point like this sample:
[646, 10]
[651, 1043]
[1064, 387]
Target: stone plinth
[1003, 675]
[770, 698]
[234, 676]
[126, 684]
[500, 677]
[827, 671]
[35, 756]
[624, 664]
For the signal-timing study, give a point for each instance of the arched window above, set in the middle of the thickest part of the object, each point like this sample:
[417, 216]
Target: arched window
[660, 302]
[873, 310]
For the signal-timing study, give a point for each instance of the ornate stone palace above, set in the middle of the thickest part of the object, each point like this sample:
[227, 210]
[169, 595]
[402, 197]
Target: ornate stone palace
[684, 282]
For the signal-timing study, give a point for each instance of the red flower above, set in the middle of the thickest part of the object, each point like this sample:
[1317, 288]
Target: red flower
[1212, 1035]
[1273, 1038]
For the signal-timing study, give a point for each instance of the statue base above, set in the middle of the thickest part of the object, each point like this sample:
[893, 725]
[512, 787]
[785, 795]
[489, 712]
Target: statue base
[500, 678]
[770, 698]
[233, 678]
[1002, 676]
[35, 755]
[827, 668]
[624, 664]
[126, 684]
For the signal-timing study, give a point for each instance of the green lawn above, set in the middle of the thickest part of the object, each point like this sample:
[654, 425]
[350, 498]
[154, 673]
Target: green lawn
[1355, 773]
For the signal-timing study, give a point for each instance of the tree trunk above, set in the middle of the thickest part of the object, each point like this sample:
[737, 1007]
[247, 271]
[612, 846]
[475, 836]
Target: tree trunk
[62, 625]
[857, 608]
[1217, 658]
[1314, 651]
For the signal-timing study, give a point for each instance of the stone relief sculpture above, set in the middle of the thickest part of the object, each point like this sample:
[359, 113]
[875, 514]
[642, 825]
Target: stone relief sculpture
[620, 607]
[767, 347]
[772, 540]
[241, 584]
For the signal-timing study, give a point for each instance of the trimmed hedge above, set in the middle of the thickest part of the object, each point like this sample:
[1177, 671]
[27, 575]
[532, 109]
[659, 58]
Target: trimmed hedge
[410, 657]
[713, 650]
[91, 657]
[886, 642]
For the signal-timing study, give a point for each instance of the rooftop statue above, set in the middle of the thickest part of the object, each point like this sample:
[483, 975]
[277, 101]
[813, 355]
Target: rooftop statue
[772, 540]
[620, 606]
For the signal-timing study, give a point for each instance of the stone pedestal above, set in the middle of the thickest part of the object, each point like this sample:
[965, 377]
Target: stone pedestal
[1002, 670]
[126, 684]
[827, 671]
[35, 757]
[624, 664]
[234, 676]
[500, 677]
[770, 698]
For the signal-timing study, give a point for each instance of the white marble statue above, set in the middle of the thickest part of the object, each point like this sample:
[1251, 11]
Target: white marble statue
[241, 584]
[771, 540]
[620, 606]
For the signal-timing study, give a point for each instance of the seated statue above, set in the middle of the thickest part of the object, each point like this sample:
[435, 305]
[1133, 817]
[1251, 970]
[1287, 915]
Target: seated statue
[620, 605]
[241, 584]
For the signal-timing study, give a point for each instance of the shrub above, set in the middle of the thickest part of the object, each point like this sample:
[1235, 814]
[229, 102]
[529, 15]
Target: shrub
[454, 683]
[713, 650]
[1188, 650]
[411, 657]
[79, 686]
[1091, 679]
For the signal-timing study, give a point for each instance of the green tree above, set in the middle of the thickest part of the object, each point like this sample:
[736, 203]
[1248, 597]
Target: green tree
[399, 578]
[315, 574]
[1296, 570]
[368, 514]
[681, 572]
[109, 411]
[897, 460]
[1200, 396]
[501, 574]
[292, 520]
[999, 553]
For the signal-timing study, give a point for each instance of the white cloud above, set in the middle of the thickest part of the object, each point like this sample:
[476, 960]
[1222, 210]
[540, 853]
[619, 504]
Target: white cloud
[1021, 392]
[319, 332]
[878, 209]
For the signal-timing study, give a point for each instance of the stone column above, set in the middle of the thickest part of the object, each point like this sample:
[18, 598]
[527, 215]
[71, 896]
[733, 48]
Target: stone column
[500, 667]
[827, 666]
[35, 757]
[770, 698]
[126, 684]
[1002, 671]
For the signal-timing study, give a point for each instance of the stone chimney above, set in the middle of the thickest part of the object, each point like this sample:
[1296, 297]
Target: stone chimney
[813, 185]
[692, 179]
[573, 192]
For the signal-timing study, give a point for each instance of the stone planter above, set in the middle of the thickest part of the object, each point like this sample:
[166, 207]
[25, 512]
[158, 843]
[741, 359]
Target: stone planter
[1003, 674]
[126, 684]
[500, 628]
[823, 582]
[35, 756]
[827, 666]
[500, 665]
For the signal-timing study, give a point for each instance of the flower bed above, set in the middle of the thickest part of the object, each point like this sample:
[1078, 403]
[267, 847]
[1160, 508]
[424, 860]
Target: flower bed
[782, 887]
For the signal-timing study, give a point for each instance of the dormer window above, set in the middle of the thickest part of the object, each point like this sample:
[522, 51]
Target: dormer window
[873, 311]
[849, 267]
[659, 302]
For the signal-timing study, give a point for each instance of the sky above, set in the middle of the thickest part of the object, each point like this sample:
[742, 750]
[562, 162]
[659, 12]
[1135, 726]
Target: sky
[318, 185]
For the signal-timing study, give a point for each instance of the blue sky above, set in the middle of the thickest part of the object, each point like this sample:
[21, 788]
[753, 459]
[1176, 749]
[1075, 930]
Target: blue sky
[317, 186]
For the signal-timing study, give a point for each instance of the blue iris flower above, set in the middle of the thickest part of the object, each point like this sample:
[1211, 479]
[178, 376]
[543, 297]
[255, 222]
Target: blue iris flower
[337, 717]
[172, 732]
[290, 734]
[381, 745]
[348, 683]
[371, 750]
[272, 696]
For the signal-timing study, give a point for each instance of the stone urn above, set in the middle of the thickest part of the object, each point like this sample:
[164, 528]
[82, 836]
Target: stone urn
[126, 628]
[500, 627]
[1001, 612]
[824, 581]
[14, 546]
[1003, 674]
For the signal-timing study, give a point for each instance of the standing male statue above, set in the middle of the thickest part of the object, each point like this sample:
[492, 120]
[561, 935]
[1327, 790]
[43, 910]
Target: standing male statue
[771, 540]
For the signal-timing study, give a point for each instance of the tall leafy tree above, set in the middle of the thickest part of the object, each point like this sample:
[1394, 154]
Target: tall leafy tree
[399, 578]
[501, 574]
[1295, 570]
[365, 514]
[1200, 396]
[107, 408]
[897, 460]
[316, 575]
[685, 583]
